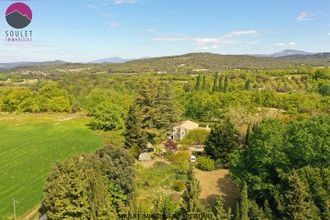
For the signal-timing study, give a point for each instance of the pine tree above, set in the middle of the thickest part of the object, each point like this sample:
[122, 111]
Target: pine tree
[190, 198]
[299, 205]
[146, 103]
[134, 135]
[244, 205]
[226, 84]
[166, 112]
[222, 140]
[215, 82]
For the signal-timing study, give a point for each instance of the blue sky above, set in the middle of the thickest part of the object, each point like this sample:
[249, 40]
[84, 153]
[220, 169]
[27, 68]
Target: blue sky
[85, 30]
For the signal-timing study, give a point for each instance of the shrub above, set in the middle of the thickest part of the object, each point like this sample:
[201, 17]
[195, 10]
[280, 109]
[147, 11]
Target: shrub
[159, 164]
[196, 136]
[168, 155]
[205, 163]
[218, 164]
[171, 145]
[181, 161]
[107, 116]
[179, 185]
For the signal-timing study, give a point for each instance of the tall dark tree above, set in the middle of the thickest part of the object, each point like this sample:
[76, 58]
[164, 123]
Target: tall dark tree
[148, 103]
[167, 108]
[190, 199]
[247, 135]
[75, 190]
[226, 84]
[247, 85]
[298, 203]
[215, 82]
[268, 210]
[219, 211]
[204, 82]
[223, 139]
[198, 83]
[255, 212]
[238, 212]
[221, 84]
[244, 203]
[134, 135]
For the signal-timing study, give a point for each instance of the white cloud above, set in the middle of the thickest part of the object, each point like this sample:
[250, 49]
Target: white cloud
[328, 34]
[121, 2]
[151, 30]
[305, 16]
[205, 43]
[92, 7]
[113, 24]
[282, 45]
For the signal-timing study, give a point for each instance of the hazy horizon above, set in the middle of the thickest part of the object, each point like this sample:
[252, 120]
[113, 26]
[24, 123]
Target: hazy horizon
[85, 30]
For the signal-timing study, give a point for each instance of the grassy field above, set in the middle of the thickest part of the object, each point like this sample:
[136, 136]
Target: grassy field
[29, 146]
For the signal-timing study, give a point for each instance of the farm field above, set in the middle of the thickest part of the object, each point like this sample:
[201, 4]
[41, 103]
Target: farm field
[29, 145]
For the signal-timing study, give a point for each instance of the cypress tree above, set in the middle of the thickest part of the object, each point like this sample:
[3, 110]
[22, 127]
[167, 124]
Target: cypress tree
[190, 198]
[134, 135]
[299, 205]
[244, 206]
[267, 210]
[204, 83]
[221, 84]
[238, 212]
[247, 85]
[255, 212]
[219, 211]
[226, 84]
[215, 82]
[198, 83]
[247, 135]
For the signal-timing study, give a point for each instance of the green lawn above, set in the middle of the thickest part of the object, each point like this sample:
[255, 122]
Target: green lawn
[29, 146]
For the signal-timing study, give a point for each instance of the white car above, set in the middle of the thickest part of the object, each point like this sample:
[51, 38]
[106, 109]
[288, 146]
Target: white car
[193, 158]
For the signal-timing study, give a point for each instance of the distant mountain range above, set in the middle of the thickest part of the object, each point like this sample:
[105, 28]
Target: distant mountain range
[209, 61]
[202, 62]
[284, 53]
[8, 66]
[111, 60]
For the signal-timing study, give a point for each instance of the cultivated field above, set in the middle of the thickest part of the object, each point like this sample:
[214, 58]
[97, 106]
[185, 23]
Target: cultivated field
[29, 145]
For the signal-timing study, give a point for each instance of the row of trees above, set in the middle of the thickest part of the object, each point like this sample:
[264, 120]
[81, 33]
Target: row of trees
[208, 107]
[220, 83]
[48, 97]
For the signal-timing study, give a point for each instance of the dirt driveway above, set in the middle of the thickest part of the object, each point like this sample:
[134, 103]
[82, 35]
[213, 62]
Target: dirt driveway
[217, 182]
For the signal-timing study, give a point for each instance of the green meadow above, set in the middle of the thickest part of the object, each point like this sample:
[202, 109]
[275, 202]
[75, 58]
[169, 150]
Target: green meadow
[29, 146]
